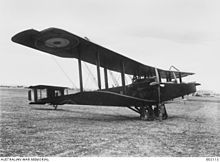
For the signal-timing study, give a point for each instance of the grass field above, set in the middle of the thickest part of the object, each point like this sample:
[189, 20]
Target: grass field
[192, 129]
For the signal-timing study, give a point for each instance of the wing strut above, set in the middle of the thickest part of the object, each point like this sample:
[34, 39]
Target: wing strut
[158, 81]
[123, 77]
[106, 77]
[180, 77]
[98, 70]
[80, 72]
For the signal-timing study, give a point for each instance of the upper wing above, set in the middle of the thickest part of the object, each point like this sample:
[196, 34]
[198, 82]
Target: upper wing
[64, 44]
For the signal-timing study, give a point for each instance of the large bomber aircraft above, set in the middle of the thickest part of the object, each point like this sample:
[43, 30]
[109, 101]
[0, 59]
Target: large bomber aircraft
[147, 94]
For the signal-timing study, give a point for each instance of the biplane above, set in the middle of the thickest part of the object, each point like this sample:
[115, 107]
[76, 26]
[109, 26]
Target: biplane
[147, 94]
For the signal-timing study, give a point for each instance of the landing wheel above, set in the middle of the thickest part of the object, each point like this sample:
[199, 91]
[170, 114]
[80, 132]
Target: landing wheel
[160, 112]
[143, 113]
[150, 113]
[156, 111]
[55, 107]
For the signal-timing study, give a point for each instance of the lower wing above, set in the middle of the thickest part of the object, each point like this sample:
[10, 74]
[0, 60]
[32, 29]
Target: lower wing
[103, 98]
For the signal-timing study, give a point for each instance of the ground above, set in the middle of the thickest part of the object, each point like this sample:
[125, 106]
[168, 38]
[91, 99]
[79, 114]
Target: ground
[192, 129]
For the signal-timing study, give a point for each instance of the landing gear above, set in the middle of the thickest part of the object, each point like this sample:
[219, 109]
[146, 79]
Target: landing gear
[143, 113]
[160, 112]
[149, 113]
[55, 107]
[164, 112]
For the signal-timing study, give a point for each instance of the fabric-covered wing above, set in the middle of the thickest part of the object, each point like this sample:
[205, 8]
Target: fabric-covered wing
[104, 98]
[64, 44]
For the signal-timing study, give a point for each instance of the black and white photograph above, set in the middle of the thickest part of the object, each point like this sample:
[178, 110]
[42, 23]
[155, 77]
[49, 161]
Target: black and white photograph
[109, 79]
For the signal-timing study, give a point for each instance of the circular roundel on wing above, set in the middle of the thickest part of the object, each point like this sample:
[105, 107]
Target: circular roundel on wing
[57, 42]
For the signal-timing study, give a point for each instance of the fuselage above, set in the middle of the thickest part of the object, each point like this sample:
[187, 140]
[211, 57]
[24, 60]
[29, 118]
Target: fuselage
[146, 90]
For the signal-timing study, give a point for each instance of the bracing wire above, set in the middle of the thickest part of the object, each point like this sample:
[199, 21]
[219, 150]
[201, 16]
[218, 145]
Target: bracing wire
[89, 71]
[74, 85]
[114, 79]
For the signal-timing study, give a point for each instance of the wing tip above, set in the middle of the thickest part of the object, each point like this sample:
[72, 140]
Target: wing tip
[17, 38]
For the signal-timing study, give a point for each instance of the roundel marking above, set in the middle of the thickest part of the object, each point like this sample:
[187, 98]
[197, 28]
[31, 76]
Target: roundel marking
[57, 42]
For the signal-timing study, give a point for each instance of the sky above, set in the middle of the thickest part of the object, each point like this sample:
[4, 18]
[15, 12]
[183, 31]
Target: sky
[159, 33]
